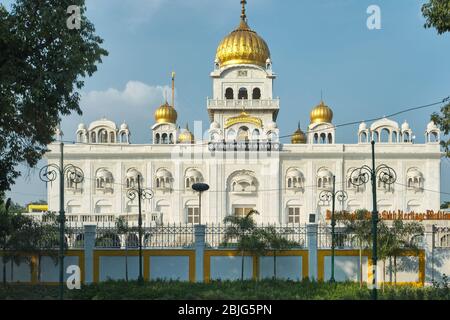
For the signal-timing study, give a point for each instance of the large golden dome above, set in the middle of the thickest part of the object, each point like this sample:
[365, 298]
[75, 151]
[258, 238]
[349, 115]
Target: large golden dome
[299, 137]
[243, 46]
[321, 113]
[166, 114]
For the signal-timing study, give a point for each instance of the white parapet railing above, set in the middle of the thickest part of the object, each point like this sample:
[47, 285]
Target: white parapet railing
[108, 219]
[247, 104]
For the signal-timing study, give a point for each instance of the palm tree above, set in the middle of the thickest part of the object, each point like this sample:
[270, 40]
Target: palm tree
[360, 226]
[240, 231]
[399, 238]
[275, 242]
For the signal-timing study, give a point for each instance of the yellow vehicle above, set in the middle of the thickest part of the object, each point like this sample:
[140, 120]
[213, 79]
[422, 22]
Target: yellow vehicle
[37, 208]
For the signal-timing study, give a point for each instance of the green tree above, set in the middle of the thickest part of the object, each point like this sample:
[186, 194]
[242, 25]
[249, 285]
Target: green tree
[442, 120]
[437, 13]
[16, 208]
[276, 242]
[360, 226]
[242, 232]
[43, 64]
[6, 231]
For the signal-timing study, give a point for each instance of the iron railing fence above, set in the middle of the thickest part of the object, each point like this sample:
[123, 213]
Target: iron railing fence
[164, 236]
[343, 239]
[215, 235]
[441, 237]
[349, 240]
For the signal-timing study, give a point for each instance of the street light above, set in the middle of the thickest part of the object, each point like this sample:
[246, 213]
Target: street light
[361, 176]
[50, 173]
[200, 188]
[325, 197]
[141, 194]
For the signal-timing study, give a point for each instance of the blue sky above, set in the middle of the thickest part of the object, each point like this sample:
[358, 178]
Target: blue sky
[315, 44]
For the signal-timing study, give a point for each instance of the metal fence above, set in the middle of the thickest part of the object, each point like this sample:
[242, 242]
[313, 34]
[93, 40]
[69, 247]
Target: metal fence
[216, 235]
[343, 239]
[167, 236]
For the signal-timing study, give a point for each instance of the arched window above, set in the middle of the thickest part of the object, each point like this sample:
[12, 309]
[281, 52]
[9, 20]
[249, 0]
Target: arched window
[363, 137]
[273, 136]
[330, 138]
[164, 138]
[103, 136]
[316, 138]
[256, 94]
[112, 137]
[243, 134]
[433, 136]
[93, 137]
[406, 137]
[243, 94]
[375, 136]
[256, 134]
[171, 138]
[394, 136]
[323, 138]
[385, 133]
[231, 134]
[158, 138]
[229, 94]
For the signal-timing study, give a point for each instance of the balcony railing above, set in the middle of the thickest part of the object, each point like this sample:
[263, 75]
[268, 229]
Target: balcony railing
[247, 104]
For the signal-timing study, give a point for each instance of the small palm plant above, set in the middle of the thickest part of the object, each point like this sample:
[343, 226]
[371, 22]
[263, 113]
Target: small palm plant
[275, 242]
[242, 232]
[400, 235]
[360, 226]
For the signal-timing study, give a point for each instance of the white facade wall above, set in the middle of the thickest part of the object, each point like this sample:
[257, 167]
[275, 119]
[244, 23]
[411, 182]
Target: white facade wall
[272, 197]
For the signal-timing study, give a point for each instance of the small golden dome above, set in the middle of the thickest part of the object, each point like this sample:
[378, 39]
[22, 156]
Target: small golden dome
[321, 113]
[166, 114]
[299, 137]
[243, 46]
[186, 137]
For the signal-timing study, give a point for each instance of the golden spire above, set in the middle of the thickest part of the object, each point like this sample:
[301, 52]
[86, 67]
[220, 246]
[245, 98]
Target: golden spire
[173, 89]
[299, 137]
[166, 113]
[243, 15]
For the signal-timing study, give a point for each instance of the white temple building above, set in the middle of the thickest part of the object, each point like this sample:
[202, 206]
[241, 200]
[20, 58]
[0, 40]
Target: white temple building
[242, 159]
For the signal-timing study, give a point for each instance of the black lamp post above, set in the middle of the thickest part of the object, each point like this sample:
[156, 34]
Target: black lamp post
[141, 194]
[360, 176]
[200, 188]
[75, 175]
[325, 197]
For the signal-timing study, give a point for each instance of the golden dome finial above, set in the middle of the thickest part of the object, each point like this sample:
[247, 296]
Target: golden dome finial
[321, 113]
[243, 46]
[243, 14]
[173, 89]
[299, 137]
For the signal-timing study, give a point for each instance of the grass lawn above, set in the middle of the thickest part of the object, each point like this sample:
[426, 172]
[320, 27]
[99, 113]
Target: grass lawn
[249, 290]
